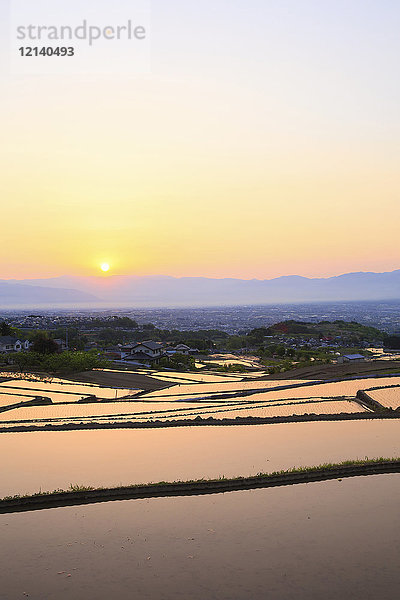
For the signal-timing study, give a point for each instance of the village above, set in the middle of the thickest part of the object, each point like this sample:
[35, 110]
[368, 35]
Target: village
[124, 343]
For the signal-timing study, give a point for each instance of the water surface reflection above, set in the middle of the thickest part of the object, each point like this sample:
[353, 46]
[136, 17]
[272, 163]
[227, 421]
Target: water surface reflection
[50, 460]
[332, 540]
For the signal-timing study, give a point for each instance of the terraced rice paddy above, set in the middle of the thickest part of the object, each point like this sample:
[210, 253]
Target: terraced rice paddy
[187, 400]
[206, 540]
[115, 412]
[49, 460]
[389, 397]
[308, 389]
[326, 540]
[232, 359]
[59, 390]
[178, 376]
[209, 389]
[197, 377]
[288, 409]
[6, 400]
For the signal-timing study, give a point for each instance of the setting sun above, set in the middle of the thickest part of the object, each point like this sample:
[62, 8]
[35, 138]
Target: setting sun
[105, 267]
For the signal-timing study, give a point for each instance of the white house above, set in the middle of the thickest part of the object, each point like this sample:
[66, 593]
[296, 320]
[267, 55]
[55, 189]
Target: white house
[9, 343]
[144, 352]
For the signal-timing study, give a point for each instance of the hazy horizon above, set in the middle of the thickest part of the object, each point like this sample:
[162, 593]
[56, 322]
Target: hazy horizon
[109, 276]
[199, 291]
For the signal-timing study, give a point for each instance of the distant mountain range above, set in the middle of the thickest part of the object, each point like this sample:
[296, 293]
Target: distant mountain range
[200, 291]
[25, 294]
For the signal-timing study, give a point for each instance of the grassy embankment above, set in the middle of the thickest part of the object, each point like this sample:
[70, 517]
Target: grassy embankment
[81, 494]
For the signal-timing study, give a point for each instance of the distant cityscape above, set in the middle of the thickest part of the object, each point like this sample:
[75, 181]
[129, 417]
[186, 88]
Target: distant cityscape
[231, 319]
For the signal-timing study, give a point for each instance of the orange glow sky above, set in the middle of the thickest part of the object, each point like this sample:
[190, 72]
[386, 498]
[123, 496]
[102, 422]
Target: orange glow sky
[263, 142]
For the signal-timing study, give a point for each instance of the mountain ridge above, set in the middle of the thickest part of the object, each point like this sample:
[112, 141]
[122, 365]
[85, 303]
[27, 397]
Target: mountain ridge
[14, 293]
[190, 291]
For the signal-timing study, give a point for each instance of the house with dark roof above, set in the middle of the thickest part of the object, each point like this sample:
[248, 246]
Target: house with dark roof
[8, 343]
[147, 352]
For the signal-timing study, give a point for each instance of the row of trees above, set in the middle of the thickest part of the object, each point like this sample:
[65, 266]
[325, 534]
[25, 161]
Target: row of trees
[392, 342]
[351, 331]
[66, 362]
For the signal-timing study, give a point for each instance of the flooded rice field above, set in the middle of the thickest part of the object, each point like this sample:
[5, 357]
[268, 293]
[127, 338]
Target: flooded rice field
[59, 390]
[331, 540]
[389, 397]
[70, 402]
[341, 388]
[194, 377]
[287, 409]
[95, 411]
[6, 400]
[48, 460]
[252, 362]
[114, 412]
[198, 377]
[225, 386]
[278, 541]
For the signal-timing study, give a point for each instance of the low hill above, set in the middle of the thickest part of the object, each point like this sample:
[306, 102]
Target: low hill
[325, 329]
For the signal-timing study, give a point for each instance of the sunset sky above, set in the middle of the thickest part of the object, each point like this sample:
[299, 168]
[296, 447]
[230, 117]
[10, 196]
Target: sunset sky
[262, 141]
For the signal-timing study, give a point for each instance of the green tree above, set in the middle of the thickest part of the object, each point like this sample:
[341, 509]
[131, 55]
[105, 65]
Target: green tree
[392, 342]
[178, 362]
[258, 334]
[5, 328]
[44, 344]
[26, 360]
[73, 362]
[124, 322]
